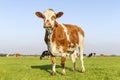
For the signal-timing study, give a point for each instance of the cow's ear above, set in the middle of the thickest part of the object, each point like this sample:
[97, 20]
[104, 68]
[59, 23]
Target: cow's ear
[39, 14]
[59, 14]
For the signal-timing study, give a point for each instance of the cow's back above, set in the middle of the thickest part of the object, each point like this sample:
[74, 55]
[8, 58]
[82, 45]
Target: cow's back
[74, 33]
[74, 28]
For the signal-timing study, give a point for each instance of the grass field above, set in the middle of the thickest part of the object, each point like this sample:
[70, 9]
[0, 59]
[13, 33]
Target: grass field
[31, 68]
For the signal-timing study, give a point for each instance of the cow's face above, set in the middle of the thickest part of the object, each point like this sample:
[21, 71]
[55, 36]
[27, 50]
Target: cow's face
[49, 17]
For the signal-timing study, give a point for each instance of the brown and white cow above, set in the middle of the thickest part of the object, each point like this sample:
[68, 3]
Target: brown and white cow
[62, 38]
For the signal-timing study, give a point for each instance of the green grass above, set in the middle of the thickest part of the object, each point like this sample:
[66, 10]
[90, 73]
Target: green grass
[31, 68]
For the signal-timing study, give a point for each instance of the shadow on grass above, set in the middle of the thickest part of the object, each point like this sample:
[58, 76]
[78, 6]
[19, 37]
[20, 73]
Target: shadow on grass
[42, 67]
[48, 68]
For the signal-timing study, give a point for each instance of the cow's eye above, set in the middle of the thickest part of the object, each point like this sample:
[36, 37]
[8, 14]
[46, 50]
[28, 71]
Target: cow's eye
[53, 17]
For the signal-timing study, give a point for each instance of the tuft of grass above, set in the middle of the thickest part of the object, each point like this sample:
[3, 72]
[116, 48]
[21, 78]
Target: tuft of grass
[31, 68]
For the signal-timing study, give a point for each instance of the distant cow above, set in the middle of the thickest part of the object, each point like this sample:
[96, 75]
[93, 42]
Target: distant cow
[62, 38]
[17, 55]
[84, 54]
[7, 55]
[92, 55]
[44, 53]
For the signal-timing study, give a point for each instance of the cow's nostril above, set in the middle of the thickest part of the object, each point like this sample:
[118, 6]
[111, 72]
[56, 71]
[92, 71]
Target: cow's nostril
[48, 20]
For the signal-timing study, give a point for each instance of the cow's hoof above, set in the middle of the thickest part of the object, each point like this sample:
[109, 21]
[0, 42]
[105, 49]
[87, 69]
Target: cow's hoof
[64, 74]
[82, 70]
[74, 69]
[53, 73]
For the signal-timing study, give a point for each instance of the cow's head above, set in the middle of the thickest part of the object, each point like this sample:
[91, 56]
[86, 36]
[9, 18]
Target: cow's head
[49, 18]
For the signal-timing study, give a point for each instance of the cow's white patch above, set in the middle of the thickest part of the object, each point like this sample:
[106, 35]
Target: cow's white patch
[53, 67]
[66, 31]
[48, 14]
[74, 56]
[54, 49]
[64, 54]
[81, 39]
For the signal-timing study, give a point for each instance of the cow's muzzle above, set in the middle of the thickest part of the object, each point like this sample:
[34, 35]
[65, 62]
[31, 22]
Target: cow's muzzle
[48, 28]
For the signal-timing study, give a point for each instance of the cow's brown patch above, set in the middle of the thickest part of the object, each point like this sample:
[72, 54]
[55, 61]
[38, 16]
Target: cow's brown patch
[53, 59]
[73, 34]
[59, 37]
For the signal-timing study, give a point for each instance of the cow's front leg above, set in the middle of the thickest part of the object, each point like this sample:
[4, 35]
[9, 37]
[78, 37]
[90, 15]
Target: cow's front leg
[63, 59]
[53, 65]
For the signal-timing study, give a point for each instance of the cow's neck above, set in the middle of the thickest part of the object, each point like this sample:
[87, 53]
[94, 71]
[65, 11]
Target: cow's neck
[50, 31]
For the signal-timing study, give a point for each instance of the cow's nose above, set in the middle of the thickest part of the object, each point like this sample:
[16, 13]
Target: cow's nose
[47, 20]
[47, 24]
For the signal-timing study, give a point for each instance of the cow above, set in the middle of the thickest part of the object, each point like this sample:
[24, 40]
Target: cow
[44, 53]
[92, 55]
[17, 55]
[7, 55]
[62, 38]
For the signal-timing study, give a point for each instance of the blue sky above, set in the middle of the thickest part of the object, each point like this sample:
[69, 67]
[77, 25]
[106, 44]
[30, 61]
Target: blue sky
[21, 31]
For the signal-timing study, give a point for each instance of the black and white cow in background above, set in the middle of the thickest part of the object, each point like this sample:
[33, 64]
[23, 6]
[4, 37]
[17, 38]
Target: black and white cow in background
[44, 53]
[92, 55]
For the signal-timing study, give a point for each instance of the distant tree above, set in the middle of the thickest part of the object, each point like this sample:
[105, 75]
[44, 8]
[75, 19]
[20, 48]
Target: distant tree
[102, 54]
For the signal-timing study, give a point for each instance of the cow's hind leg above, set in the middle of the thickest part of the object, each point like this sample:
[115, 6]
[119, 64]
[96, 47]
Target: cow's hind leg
[53, 59]
[81, 45]
[63, 59]
[81, 58]
[73, 58]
